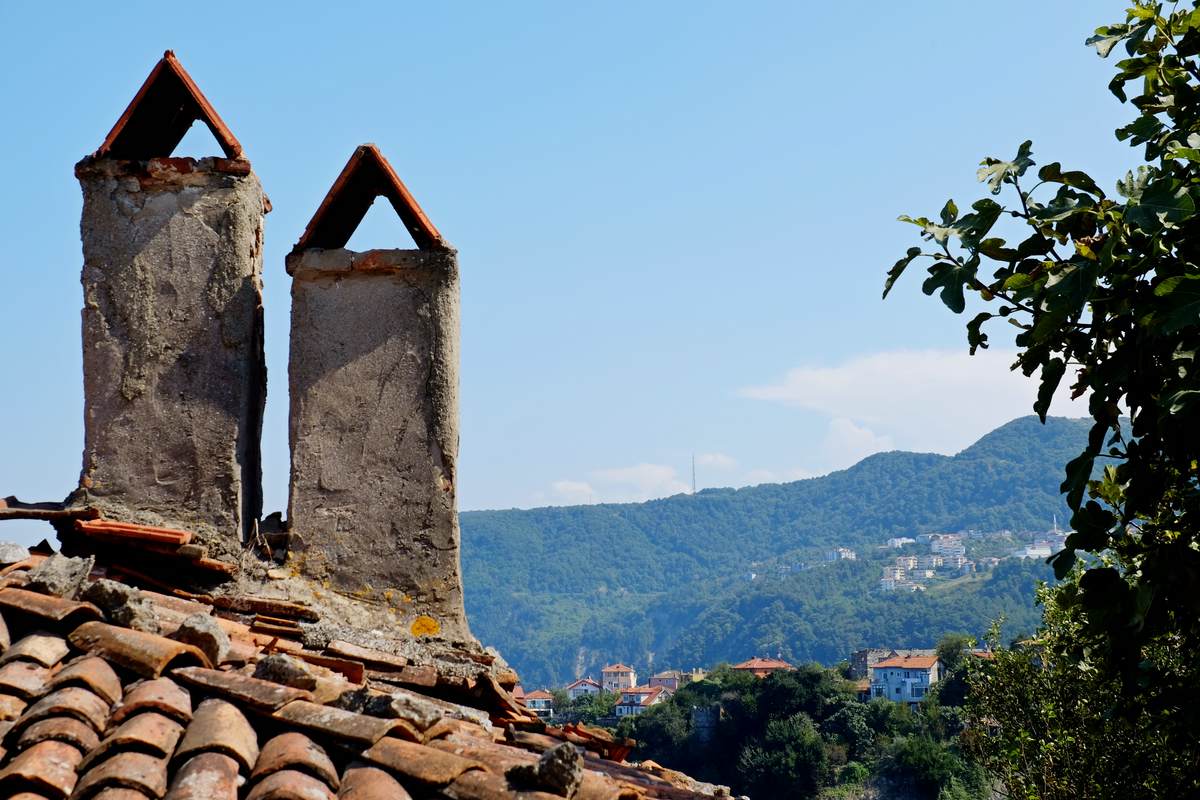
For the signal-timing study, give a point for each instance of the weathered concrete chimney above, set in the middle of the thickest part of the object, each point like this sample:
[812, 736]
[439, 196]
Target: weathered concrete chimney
[373, 376]
[174, 379]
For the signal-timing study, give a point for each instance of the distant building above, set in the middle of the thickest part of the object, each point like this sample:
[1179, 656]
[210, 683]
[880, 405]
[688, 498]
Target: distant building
[841, 554]
[541, 703]
[905, 562]
[899, 541]
[905, 678]
[668, 679]
[862, 660]
[762, 667]
[1035, 550]
[519, 693]
[635, 700]
[948, 544]
[581, 687]
[930, 561]
[616, 677]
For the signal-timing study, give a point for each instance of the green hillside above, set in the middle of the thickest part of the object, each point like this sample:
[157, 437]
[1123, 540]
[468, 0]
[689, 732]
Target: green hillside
[559, 590]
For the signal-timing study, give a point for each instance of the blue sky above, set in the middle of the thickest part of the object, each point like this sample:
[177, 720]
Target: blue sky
[673, 219]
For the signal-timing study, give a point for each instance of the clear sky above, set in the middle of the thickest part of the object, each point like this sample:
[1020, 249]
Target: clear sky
[673, 218]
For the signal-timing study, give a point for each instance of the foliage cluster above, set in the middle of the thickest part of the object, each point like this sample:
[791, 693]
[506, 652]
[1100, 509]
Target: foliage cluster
[805, 734]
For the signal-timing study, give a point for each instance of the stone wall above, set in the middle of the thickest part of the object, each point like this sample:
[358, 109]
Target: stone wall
[174, 378]
[373, 427]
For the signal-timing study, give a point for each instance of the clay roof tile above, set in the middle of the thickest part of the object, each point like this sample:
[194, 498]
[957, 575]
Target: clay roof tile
[295, 751]
[290, 784]
[162, 695]
[47, 767]
[60, 729]
[208, 776]
[219, 727]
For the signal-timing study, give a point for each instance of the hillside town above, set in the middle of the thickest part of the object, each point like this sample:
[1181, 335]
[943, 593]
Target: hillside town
[902, 675]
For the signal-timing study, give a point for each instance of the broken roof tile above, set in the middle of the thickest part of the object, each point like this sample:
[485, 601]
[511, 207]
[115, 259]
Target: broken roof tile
[289, 784]
[144, 653]
[161, 694]
[60, 729]
[366, 176]
[43, 648]
[70, 701]
[23, 678]
[219, 727]
[135, 533]
[375, 659]
[160, 114]
[148, 733]
[427, 765]
[272, 606]
[48, 607]
[48, 767]
[254, 692]
[127, 770]
[479, 785]
[208, 776]
[335, 722]
[298, 752]
[92, 672]
[364, 782]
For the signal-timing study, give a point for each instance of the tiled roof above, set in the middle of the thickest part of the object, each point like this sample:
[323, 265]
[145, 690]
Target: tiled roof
[539, 694]
[617, 668]
[763, 663]
[583, 682]
[908, 662]
[110, 692]
[640, 695]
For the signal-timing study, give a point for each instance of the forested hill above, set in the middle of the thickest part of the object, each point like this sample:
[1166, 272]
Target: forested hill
[543, 584]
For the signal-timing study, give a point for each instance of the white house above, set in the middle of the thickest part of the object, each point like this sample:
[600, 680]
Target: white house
[841, 554]
[581, 687]
[637, 699]
[899, 541]
[905, 679]
[540, 702]
[616, 677]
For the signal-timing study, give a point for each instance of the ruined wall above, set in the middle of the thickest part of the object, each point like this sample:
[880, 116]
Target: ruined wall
[373, 375]
[174, 378]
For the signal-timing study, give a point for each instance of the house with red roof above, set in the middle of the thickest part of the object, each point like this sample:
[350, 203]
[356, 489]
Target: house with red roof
[905, 678]
[540, 702]
[637, 699]
[762, 667]
[616, 677]
[582, 687]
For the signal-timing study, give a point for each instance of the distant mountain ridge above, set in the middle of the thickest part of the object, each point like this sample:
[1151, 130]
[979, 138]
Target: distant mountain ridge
[538, 580]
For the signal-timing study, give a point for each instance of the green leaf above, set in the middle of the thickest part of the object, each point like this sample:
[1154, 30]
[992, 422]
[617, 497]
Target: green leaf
[1107, 37]
[950, 277]
[949, 212]
[1161, 205]
[1052, 173]
[898, 269]
[1182, 293]
[1052, 373]
[976, 338]
[996, 172]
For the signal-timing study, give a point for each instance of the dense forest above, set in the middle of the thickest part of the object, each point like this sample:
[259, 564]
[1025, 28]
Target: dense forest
[667, 583]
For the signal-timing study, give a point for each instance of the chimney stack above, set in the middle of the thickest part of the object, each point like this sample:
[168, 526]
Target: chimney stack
[373, 426]
[174, 379]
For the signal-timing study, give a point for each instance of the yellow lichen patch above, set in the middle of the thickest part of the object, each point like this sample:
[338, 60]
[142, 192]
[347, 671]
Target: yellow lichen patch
[425, 626]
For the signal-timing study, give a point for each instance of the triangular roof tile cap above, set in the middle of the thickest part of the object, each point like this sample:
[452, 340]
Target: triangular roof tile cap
[367, 175]
[160, 115]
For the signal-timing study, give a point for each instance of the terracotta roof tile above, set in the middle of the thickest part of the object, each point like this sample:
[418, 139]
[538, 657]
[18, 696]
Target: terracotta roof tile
[149, 733]
[70, 701]
[162, 695]
[290, 784]
[91, 672]
[126, 770]
[144, 653]
[11, 707]
[363, 782]
[219, 727]
[47, 767]
[335, 722]
[48, 607]
[23, 678]
[208, 776]
[60, 729]
[43, 648]
[297, 752]
[425, 765]
[251, 692]
[907, 662]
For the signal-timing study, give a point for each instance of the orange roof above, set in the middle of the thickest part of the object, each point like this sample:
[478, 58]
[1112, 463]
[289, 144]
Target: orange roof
[539, 694]
[763, 663]
[160, 114]
[640, 695]
[617, 668]
[583, 682]
[367, 175]
[908, 662]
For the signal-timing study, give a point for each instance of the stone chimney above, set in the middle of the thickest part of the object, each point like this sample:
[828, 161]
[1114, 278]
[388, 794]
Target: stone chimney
[373, 376]
[174, 379]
